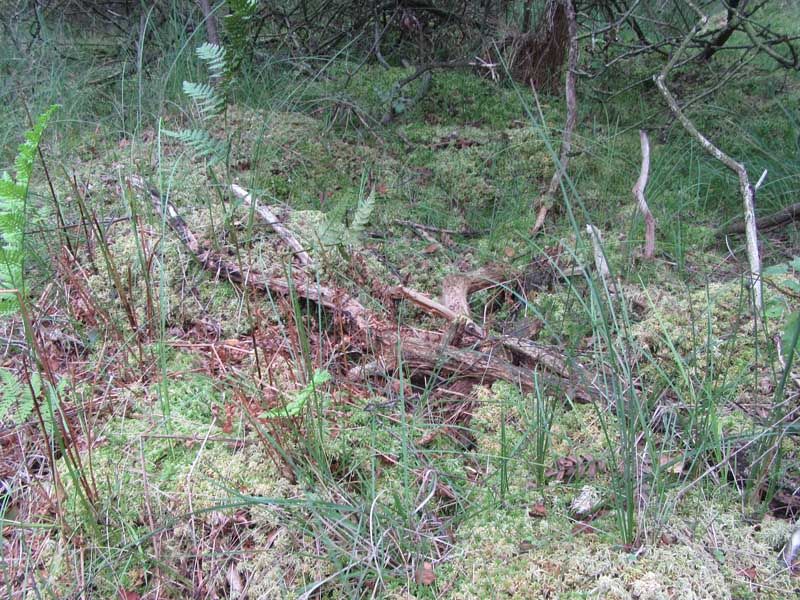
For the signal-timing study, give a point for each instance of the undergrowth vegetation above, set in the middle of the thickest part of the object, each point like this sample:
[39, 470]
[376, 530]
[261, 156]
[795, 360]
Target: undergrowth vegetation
[191, 406]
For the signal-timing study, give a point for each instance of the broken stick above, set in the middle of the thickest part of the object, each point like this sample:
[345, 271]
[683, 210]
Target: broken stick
[267, 215]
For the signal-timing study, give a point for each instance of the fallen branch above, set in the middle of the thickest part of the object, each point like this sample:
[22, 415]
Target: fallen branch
[790, 213]
[638, 194]
[572, 118]
[431, 228]
[424, 351]
[267, 215]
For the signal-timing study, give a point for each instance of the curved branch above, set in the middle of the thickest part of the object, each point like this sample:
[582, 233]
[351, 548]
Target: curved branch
[745, 187]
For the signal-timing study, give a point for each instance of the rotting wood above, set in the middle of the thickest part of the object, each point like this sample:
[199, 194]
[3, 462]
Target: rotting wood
[419, 350]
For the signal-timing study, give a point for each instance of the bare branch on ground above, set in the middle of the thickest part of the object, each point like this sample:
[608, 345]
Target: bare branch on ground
[269, 217]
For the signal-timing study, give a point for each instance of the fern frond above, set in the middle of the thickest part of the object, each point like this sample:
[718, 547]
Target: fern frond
[13, 196]
[26, 152]
[215, 58]
[16, 400]
[10, 191]
[201, 142]
[10, 390]
[209, 103]
[363, 213]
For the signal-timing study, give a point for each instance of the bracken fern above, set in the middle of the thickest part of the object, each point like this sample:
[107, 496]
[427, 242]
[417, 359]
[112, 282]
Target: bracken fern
[16, 401]
[13, 216]
[222, 62]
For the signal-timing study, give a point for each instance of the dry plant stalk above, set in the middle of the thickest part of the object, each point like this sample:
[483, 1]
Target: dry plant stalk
[597, 248]
[638, 194]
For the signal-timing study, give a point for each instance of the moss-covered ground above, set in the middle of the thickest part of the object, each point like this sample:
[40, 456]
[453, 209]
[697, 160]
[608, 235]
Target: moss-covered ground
[179, 486]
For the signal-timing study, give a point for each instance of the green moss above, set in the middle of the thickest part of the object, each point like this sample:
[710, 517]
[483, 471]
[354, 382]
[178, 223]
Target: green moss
[542, 558]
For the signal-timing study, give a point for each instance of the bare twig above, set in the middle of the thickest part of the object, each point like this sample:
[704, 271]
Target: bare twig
[638, 194]
[434, 229]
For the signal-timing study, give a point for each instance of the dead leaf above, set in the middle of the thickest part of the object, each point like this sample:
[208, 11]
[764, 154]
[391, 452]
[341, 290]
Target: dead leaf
[425, 574]
[509, 252]
[128, 595]
[431, 248]
[667, 539]
[569, 468]
[538, 510]
[675, 463]
[749, 573]
[525, 546]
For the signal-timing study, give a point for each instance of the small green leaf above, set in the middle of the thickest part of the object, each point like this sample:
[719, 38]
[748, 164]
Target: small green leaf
[295, 406]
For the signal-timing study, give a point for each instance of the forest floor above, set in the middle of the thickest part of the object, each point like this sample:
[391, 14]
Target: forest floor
[228, 422]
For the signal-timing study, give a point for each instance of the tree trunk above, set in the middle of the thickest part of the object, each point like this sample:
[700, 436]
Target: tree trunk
[731, 24]
[210, 21]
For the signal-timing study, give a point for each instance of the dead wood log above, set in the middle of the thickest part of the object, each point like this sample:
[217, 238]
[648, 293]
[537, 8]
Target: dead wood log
[638, 194]
[788, 214]
[424, 351]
